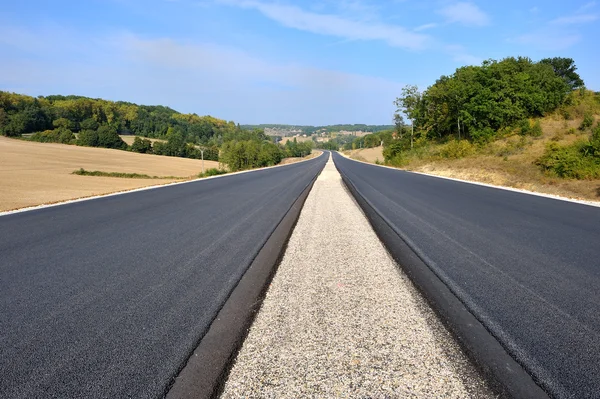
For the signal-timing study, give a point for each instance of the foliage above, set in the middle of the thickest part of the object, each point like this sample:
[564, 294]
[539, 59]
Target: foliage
[565, 68]
[580, 160]
[588, 121]
[109, 138]
[456, 149]
[212, 172]
[88, 138]
[143, 146]
[83, 172]
[478, 100]
[252, 150]
[61, 135]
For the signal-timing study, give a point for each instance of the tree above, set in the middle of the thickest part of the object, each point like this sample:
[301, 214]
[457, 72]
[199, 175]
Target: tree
[143, 146]
[109, 138]
[565, 68]
[88, 138]
[409, 104]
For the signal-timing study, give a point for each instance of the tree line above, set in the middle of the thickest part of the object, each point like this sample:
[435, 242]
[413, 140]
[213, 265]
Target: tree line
[99, 123]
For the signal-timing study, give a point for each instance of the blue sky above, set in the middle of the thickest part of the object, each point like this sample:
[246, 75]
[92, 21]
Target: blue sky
[278, 61]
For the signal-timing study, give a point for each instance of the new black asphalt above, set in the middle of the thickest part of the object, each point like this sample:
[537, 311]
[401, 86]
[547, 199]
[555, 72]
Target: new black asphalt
[107, 298]
[527, 267]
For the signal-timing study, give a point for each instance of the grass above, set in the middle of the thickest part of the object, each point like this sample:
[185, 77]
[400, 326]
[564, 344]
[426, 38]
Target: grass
[212, 172]
[83, 172]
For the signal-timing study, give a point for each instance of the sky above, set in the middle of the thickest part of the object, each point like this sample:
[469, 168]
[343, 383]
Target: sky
[311, 62]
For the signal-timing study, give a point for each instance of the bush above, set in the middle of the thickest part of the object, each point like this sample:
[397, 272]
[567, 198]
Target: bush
[588, 121]
[47, 136]
[143, 146]
[88, 138]
[109, 138]
[212, 172]
[536, 130]
[457, 149]
[483, 136]
[524, 127]
[574, 161]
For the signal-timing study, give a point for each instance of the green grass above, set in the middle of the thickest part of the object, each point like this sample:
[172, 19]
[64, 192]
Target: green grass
[212, 172]
[83, 172]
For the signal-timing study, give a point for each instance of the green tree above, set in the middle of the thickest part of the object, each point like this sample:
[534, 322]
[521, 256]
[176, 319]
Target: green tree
[143, 146]
[109, 138]
[565, 68]
[88, 138]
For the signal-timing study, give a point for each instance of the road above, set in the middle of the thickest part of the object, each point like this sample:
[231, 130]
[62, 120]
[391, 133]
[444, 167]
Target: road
[528, 267]
[108, 297]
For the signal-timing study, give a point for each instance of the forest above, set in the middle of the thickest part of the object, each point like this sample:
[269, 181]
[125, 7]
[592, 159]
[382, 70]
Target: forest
[99, 123]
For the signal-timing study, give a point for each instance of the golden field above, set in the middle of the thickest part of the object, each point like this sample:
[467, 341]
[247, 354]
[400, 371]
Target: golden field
[40, 173]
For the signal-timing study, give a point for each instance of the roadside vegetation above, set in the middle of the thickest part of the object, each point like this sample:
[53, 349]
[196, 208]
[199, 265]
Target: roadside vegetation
[512, 122]
[91, 122]
[83, 172]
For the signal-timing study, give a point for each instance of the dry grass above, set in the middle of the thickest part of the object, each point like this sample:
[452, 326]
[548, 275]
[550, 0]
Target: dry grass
[129, 139]
[367, 154]
[40, 173]
[313, 154]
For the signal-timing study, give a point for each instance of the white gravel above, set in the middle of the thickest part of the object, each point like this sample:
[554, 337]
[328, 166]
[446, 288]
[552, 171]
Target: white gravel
[341, 320]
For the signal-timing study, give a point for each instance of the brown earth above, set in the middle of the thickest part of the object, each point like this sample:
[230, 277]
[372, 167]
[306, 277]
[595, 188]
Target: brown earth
[41, 173]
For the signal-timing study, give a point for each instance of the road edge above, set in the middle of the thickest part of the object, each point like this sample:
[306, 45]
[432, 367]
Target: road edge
[478, 183]
[207, 368]
[506, 377]
[154, 187]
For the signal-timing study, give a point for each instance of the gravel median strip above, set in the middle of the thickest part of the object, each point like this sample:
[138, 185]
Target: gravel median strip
[341, 320]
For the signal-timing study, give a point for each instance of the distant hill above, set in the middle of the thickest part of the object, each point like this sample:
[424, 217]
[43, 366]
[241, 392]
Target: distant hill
[290, 130]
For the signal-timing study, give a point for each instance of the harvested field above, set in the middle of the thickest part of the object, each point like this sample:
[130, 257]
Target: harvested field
[313, 154]
[129, 138]
[367, 154]
[39, 173]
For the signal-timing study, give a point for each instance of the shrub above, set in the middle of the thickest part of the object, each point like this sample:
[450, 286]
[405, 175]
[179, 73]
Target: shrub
[109, 138]
[588, 121]
[524, 127]
[88, 138]
[457, 149]
[143, 146]
[483, 136]
[212, 172]
[536, 130]
[66, 136]
[574, 161]
[47, 136]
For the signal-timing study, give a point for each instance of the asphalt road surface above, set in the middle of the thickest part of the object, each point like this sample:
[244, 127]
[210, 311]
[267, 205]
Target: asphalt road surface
[528, 267]
[107, 298]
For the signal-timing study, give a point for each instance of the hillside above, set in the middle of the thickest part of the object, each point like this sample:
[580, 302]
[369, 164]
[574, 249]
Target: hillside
[511, 160]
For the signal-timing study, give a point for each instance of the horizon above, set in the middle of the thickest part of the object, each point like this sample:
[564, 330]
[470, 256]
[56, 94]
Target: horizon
[315, 63]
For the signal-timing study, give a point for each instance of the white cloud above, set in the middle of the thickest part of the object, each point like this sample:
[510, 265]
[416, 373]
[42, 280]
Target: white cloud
[425, 27]
[205, 78]
[334, 25]
[575, 19]
[464, 13]
[548, 39]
